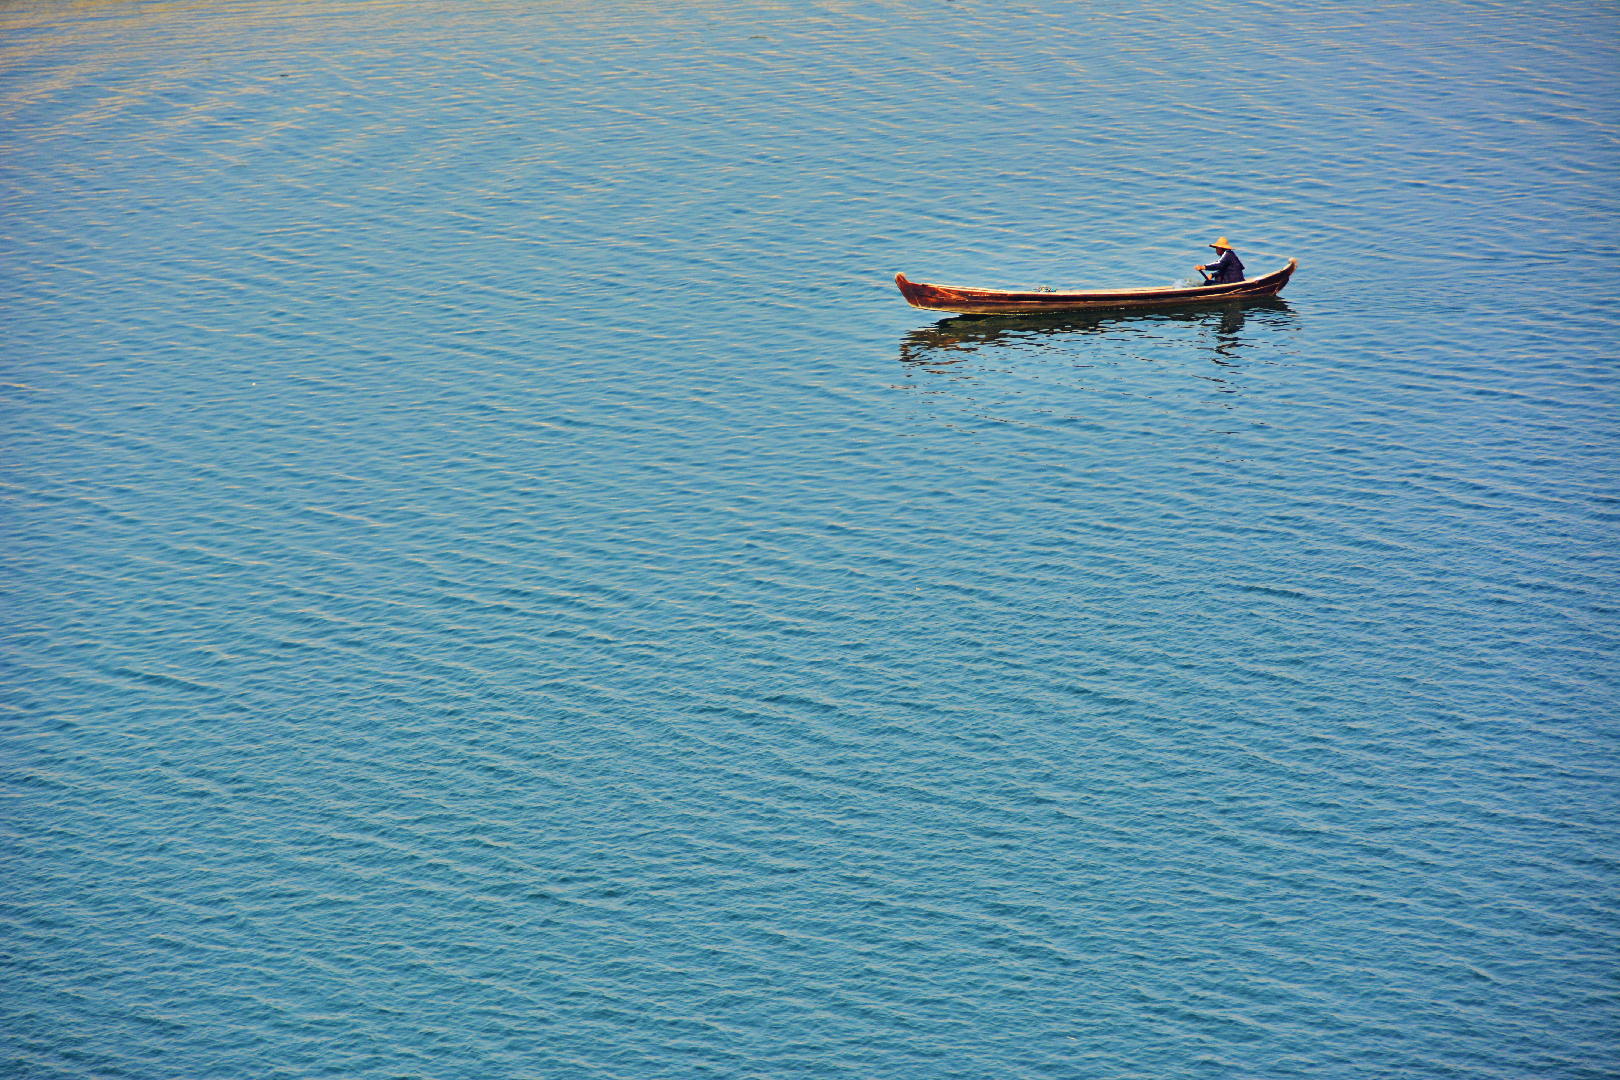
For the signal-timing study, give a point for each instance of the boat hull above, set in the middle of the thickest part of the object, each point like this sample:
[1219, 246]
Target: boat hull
[963, 301]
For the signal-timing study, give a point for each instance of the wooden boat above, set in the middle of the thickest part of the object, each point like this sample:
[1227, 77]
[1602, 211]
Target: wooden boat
[992, 302]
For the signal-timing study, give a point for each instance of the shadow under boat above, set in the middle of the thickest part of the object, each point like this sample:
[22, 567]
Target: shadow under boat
[970, 332]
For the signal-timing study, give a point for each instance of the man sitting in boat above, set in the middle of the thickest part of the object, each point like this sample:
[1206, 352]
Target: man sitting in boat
[1226, 269]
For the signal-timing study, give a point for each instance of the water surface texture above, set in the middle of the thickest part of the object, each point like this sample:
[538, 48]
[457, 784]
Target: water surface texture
[498, 584]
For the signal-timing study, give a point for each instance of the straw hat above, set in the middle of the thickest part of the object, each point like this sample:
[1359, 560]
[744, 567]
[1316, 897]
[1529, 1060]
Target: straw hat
[1221, 245]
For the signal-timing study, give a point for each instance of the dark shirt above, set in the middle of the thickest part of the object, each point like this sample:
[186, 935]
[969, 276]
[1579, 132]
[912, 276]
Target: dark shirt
[1228, 268]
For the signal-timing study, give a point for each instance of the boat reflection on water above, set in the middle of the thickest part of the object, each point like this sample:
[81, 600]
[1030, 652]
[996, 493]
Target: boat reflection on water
[952, 340]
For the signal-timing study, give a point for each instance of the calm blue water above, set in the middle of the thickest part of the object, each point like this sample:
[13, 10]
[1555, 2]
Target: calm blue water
[498, 584]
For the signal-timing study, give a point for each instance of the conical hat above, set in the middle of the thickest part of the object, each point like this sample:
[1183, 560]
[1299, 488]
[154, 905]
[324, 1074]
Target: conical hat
[1220, 244]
